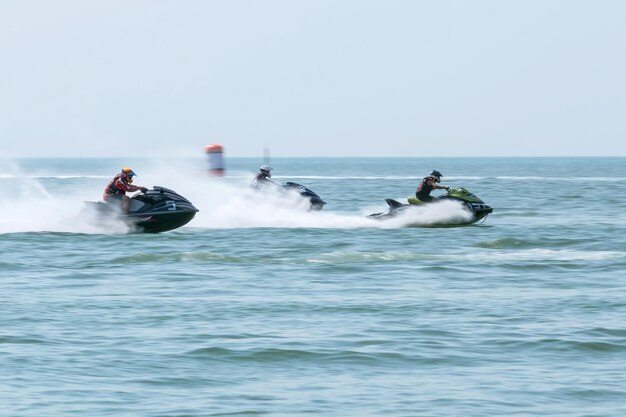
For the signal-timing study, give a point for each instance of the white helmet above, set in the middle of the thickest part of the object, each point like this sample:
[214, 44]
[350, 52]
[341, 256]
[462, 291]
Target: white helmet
[267, 170]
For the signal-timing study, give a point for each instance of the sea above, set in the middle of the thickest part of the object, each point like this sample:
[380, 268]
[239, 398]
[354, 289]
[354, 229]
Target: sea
[258, 307]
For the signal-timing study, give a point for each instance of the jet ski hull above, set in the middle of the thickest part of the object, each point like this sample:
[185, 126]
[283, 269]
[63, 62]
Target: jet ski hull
[478, 209]
[316, 201]
[158, 210]
[161, 222]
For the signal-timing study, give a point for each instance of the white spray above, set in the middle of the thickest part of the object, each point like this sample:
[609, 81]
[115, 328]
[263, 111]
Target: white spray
[223, 203]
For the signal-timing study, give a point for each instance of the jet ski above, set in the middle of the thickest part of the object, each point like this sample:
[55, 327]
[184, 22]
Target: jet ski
[157, 210]
[478, 209]
[316, 201]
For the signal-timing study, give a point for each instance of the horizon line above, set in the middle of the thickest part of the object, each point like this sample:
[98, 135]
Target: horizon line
[202, 155]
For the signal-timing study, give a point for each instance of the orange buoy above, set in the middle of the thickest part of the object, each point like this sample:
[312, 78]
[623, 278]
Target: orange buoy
[215, 154]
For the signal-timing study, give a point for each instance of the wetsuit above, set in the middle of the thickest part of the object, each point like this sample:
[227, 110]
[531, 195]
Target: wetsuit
[423, 191]
[261, 180]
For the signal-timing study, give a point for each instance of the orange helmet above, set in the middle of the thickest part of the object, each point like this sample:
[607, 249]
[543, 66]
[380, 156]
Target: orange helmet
[127, 174]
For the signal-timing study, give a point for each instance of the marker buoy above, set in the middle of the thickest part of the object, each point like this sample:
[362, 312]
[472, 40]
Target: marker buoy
[215, 155]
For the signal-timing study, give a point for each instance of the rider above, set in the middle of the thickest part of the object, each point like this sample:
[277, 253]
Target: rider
[428, 184]
[262, 178]
[118, 187]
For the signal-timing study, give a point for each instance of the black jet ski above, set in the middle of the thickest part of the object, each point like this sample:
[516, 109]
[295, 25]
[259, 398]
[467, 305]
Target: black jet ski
[158, 210]
[471, 203]
[316, 201]
[288, 187]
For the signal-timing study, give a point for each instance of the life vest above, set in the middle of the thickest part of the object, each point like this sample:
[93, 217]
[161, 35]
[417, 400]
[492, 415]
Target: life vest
[424, 188]
[112, 188]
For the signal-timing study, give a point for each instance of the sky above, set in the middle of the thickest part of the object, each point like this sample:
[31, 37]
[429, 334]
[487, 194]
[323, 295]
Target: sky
[312, 78]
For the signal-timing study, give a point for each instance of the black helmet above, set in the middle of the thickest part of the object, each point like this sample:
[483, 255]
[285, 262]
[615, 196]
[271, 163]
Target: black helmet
[436, 175]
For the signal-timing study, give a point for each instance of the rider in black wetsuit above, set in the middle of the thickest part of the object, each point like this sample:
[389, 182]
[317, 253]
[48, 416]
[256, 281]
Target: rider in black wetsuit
[262, 179]
[428, 184]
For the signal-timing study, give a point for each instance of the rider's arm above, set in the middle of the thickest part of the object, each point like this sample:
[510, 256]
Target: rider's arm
[434, 184]
[138, 188]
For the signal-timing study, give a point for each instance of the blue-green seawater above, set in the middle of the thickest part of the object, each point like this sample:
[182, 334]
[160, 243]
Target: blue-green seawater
[258, 310]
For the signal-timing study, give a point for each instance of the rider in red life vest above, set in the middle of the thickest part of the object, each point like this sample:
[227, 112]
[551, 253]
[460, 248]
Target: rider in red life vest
[428, 184]
[120, 185]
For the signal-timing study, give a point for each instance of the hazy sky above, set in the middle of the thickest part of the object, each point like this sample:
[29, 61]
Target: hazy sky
[312, 77]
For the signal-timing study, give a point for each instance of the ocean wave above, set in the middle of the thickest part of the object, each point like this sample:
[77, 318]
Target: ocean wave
[561, 345]
[605, 332]
[18, 340]
[505, 254]
[514, 243]
[211, 257]
[272, 355]
[179, 382]
[476, 257]
[537, 255]
[180, 257]
[592, 394]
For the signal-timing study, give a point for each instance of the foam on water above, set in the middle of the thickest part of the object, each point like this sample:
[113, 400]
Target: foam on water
[40, 213]
[34, 208]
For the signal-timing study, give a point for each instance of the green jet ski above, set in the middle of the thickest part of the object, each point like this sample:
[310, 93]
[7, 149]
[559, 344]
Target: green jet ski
[477, 207]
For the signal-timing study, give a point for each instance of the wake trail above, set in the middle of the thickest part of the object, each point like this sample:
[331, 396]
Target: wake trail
[224, 203]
